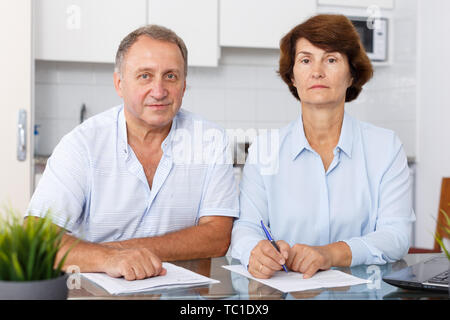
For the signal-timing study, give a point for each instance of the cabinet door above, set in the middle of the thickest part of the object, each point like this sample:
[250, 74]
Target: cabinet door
[385, 4]
[84, 30]
[195, 21]
[260, 23]
[15, 90]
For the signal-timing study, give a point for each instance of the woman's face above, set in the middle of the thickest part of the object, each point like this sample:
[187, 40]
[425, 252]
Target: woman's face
[321, 77]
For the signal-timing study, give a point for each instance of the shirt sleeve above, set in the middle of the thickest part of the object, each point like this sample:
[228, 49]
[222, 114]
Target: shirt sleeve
[220, 192]
[247, 231]
[63, 188]
[391, 239]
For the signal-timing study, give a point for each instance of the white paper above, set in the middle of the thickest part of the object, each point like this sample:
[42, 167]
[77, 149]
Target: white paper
[293, 281]
[174, 278]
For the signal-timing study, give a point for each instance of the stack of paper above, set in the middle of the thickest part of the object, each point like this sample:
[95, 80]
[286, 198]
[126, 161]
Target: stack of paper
[175, 277]
[293, 281]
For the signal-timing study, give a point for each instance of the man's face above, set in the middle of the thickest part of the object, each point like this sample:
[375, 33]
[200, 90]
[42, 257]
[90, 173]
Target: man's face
[153, 82]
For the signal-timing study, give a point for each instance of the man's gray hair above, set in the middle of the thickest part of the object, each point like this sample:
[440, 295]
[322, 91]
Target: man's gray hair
[155, 32]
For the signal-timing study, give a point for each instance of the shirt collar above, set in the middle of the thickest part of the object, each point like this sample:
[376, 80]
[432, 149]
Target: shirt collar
[122, 132]
[300, 143]
[346, 139]
[122, 126]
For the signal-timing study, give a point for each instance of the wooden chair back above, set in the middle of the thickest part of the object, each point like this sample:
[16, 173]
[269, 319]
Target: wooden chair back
[444, 204]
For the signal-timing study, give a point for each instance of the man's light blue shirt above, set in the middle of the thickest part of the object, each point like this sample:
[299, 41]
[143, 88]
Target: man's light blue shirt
[363, 199]
[96, 187]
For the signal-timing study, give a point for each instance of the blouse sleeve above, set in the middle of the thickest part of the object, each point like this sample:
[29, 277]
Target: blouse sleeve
[389, 241]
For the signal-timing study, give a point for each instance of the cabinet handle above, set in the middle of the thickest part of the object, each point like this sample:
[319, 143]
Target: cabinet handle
[22, 135]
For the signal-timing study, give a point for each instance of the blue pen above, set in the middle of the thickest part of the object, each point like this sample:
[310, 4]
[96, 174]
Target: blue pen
[270, 238]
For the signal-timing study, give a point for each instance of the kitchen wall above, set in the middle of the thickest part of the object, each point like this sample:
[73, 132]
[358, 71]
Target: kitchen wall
[390, 99]
[243, 92]
[433, 116]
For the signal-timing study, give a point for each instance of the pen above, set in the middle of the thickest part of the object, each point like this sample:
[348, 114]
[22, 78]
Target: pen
[270, 238]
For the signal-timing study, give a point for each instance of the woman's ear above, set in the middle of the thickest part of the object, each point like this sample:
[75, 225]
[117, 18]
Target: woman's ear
[293, 82]
[351, 81]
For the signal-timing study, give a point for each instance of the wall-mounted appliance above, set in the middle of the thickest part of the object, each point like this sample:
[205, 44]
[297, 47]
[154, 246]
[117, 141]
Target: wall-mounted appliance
[374, 33]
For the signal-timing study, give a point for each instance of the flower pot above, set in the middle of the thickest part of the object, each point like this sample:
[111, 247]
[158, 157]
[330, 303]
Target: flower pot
[51, 289]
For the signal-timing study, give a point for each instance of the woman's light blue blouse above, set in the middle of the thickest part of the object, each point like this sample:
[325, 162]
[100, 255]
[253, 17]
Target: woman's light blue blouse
[363, 199]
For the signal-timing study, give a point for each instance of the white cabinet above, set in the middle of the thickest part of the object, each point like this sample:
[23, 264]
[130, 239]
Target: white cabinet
[84, 30]
[15, 89]
[195, 21]
[91, 30]
[260, 23]
[382, 4]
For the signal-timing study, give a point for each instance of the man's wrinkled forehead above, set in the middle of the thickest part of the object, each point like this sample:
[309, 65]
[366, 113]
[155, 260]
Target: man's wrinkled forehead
[151, 54]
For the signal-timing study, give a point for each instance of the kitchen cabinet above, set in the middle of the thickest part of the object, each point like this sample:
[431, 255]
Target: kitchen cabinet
[260, 23]
[84, 30]
[382, 4]
[196, 22]
[16, 86]
[91, 31]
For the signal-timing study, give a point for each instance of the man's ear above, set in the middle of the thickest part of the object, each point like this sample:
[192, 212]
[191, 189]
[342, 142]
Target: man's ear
[118, 83]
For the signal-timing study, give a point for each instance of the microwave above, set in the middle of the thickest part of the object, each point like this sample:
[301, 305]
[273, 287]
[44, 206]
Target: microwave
[374, 36]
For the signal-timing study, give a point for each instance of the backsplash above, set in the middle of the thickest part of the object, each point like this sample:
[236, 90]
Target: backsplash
[243, 92]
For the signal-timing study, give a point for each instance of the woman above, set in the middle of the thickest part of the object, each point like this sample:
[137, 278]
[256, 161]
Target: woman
[341, 192]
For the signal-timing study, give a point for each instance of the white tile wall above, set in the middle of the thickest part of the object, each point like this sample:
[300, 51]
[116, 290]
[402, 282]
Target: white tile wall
[61, 89]
[243, 92]
[433, 114]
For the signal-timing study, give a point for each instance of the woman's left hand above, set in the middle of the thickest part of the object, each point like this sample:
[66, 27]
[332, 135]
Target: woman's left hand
[308, 260]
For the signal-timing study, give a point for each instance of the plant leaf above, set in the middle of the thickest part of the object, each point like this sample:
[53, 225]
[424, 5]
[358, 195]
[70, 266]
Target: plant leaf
[441, 243]
[17, 268]
[28, 248]
[31, 258]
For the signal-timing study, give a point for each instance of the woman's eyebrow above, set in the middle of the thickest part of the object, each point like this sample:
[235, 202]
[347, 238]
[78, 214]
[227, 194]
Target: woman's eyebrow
[307, 53]
[304, 52]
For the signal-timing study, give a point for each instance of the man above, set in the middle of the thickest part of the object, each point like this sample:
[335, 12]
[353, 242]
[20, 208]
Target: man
[130, 192]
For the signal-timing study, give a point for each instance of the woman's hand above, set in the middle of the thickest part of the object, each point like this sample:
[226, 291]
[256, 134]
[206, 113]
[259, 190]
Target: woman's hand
[265, 260]
[308, 260]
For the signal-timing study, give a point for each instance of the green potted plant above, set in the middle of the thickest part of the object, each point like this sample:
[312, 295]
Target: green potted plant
[27, 258]
[444, 230]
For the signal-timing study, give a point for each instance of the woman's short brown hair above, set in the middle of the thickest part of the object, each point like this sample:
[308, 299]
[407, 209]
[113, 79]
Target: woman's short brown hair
[330, 33]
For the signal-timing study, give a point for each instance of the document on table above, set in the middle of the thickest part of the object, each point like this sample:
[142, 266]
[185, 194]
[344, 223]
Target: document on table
[175, 277]
[293, 281]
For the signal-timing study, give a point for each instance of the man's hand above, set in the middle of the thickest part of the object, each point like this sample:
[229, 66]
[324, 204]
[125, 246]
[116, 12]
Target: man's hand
[308, 260]
[133, 264]
[265, 260]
